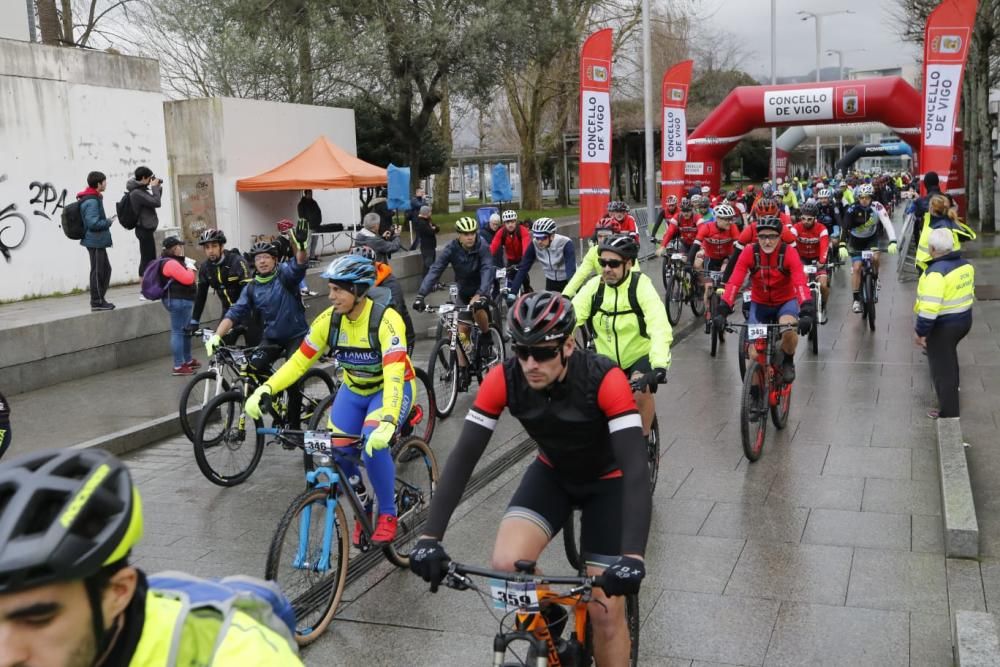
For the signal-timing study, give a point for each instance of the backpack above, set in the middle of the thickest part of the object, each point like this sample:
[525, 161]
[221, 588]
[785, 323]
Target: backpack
[261, 600]
[126, 213]
[382, 298]
[72, 219]
[633, 302]
[154, 287]
[781, 260]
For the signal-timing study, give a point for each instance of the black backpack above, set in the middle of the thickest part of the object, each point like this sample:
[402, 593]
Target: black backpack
[633, 302]
[781, 259]
[126, 213]
[382, 298]
[72, 219]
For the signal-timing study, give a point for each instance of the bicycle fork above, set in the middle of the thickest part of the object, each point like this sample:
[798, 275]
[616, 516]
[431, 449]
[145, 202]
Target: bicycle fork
[301, 560]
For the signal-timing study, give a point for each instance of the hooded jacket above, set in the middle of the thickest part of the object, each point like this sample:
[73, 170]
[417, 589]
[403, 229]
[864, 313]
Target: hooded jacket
[145, 201]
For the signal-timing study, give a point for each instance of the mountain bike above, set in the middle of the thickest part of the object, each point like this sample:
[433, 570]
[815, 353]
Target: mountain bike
[764, 390]
[310, 548]
[678, 285]
[869, 288]
[717, 333]
[744, 344]
[227, 447]
[812, 280]
[446, 370]
[535, 614]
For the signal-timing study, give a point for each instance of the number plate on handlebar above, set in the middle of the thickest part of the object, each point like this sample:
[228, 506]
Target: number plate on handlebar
[755, 332]
[810, 269]
[511, 595]
[715, 275]
[317, 442]
[446, 308]
[678, 257]
[453, 291]
[206, 335]
[239, 358]
[747, 296]
[867, 254]
[501, 273]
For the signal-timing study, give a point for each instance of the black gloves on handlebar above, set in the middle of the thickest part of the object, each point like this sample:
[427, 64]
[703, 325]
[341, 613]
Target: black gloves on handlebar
[653, 378]
[429, 561]
[418, 304]
[807, 315]
[623, 577]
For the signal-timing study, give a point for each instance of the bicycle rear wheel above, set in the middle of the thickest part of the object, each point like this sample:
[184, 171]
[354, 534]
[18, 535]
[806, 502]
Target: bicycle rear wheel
[314, 581]
[315, 385]
[239, 448]
[196, 394]
[423, 412]
[753, 411]
[416, 479]
[443, 371]
[674, 297]
[571, 539]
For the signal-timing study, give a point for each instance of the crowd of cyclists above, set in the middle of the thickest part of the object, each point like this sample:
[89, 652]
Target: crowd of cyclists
[67, 589]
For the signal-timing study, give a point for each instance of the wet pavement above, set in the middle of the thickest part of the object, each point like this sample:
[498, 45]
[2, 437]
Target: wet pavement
[826, 551]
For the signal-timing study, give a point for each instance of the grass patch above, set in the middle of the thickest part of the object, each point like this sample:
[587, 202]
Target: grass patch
[445, 220]
[36, 297]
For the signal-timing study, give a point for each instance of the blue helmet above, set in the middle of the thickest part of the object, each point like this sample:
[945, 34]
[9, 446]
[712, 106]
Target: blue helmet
[351, 269]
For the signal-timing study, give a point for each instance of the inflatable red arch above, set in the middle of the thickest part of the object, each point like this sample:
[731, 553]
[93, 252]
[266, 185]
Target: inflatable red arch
[889, 100]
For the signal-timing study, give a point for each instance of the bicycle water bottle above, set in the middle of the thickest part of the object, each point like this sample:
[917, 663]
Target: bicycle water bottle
[361, 491]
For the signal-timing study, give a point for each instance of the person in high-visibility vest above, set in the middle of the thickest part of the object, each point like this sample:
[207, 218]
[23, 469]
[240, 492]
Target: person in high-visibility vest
[944, 316]
[940, 215]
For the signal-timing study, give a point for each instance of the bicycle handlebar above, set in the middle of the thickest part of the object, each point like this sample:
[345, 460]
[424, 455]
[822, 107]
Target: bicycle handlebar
[459, 573]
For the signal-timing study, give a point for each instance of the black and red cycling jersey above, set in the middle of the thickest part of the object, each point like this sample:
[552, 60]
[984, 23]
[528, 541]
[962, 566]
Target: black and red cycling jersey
[771, 283]
[627, 223]
[749, 234]
[685, 227]
[515, 243]
[717, 243]
[813, 242]
[586, 426]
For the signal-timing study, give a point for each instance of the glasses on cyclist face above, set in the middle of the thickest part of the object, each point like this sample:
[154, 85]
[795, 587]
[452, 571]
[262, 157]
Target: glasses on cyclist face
[613, 263]
[808, 218]
[767, 238]
[539, 354]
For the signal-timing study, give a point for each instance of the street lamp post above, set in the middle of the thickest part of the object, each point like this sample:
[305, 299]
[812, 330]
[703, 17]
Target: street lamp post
[840, 65]
[818, 17]
[774, 80]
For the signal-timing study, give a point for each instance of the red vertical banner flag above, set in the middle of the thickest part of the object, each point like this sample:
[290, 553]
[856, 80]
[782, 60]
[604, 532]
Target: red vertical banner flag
[946, 44]
[673, 153]
[595, 129]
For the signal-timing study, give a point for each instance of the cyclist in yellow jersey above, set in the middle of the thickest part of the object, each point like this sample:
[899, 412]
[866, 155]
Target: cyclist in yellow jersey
[368, 339]
[69, 597]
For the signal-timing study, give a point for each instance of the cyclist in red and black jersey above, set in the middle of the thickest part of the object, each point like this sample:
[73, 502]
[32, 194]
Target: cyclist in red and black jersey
[619, 212]
[512, 241]
[578, 407]
[779, 293]
[684, 227]
[714, 245]
[813, 243]
[667, 214]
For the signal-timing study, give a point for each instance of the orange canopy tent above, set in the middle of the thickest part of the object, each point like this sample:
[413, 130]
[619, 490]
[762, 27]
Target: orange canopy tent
[322, 165]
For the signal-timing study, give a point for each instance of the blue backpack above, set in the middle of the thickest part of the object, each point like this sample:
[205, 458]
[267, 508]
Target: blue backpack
[261, 600]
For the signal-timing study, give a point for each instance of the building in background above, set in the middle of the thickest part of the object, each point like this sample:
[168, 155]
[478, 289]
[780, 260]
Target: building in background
[14, 19]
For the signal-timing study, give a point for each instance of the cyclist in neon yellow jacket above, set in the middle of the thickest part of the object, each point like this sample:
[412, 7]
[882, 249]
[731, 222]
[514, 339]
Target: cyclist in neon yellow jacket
[590, 266]
[68, 595]
[628, 319]
[368, 340]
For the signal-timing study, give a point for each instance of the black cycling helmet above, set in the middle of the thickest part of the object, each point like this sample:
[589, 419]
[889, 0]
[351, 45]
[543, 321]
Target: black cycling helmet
[686, 204]
[618, 207]
[264, 248]
[621, 244]
[809, 208]
[541, 316]
[64, 515]
[770, 222]
[212, 236]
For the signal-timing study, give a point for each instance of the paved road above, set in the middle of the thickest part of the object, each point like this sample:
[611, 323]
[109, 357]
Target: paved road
[826, 551]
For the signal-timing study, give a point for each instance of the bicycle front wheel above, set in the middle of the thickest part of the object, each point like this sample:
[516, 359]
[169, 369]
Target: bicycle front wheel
[416, 479]
[674, 296]
[744, 348]
[202, 388]
[870, 301]
[238, 447]
[310, 567]
[753, 411]
[714, 331]
[779, 411]
[422, 418]
[442, 369]
[653, 453]
[571, 538]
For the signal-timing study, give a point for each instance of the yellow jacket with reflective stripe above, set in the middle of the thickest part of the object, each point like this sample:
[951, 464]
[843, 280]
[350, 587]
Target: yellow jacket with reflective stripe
[588, 268]
[959, 232]
[945, 293]
[202, 637]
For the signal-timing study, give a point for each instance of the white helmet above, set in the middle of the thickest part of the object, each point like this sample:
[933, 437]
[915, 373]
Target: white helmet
[866, 190]
[825, 192]
[705, 190]
[724, 211]
[509, 215]
[544, 227]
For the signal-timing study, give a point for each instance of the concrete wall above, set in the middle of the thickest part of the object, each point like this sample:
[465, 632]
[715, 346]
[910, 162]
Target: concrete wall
[235, 138]
[63, 113]
[14, 19]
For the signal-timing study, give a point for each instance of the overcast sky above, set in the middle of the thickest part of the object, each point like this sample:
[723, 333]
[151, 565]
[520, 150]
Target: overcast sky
[870, 27]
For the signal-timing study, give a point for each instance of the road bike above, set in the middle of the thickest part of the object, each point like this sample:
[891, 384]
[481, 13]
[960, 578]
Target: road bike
[535, 613]
[227, 447]
[764, 390]
[456, 358]
[678, 286]
[310, 549]
[868, 294]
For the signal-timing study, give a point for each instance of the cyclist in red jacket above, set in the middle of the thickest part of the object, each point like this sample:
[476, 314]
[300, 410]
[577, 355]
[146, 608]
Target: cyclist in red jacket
[778, 289]
[684, 226]
[514, 238]
[813, 243]
[713, 245]
[618, 210]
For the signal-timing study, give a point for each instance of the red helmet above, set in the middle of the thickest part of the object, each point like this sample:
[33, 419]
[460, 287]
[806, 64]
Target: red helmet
[610, 224]
[766, 207]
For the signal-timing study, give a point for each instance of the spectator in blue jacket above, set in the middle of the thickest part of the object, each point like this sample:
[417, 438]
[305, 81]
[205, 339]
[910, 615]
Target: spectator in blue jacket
[96, 239]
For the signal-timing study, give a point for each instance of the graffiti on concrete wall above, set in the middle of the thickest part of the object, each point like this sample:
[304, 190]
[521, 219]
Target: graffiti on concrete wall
[43, 199]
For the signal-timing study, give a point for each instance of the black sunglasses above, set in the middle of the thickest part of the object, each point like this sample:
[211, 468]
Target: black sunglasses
[767, 237]
[539, 353]
[613, 263]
